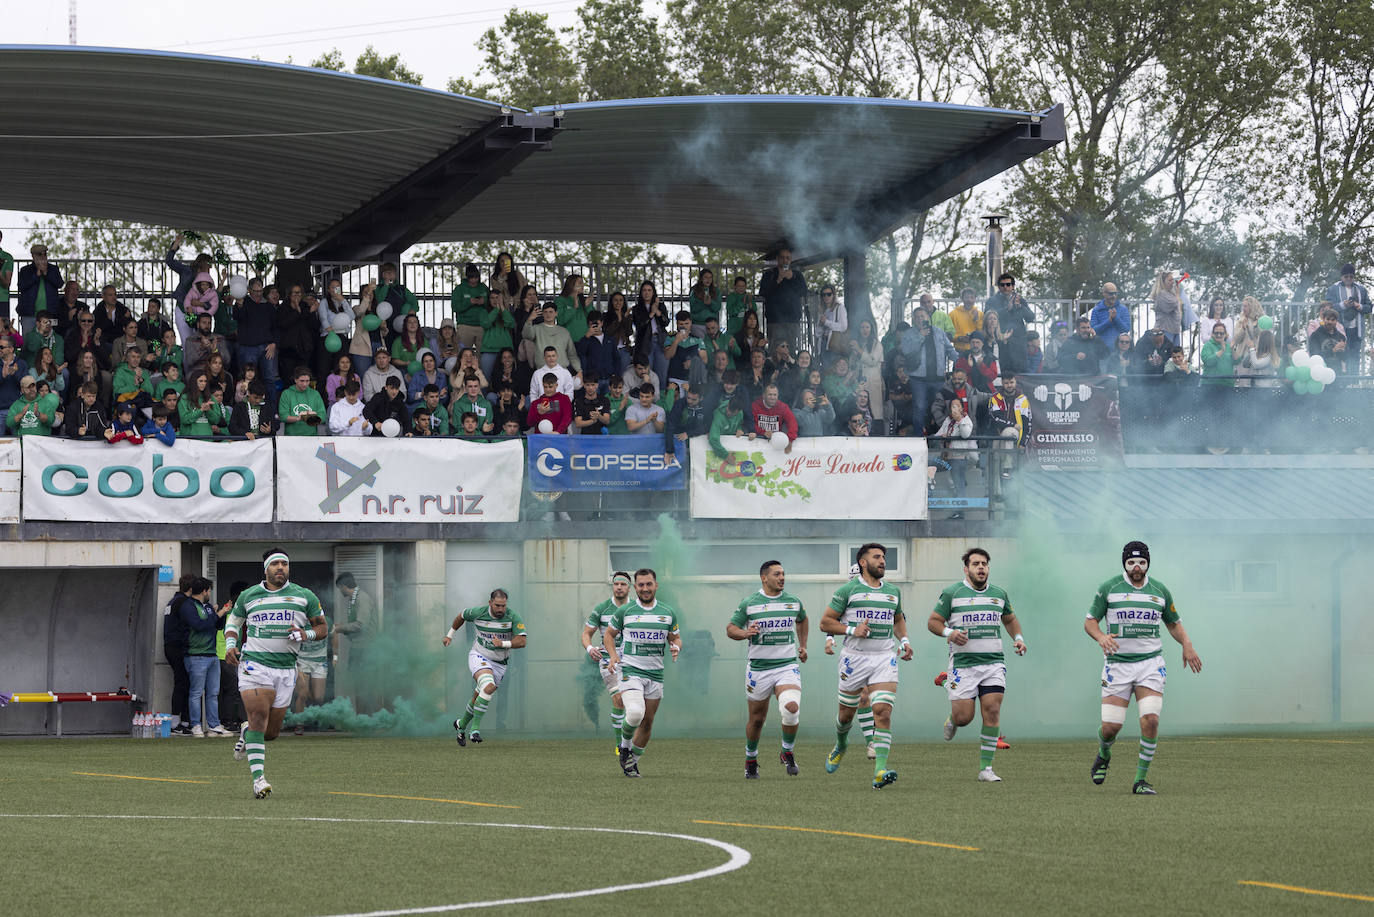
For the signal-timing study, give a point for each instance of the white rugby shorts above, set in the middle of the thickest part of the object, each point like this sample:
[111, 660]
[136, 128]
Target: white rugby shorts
[761, 684]
[1120, 679]
[963, 683]
[860, 670]
[255, 675]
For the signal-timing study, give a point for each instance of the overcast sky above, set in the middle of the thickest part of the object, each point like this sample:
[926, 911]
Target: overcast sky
[435, 39]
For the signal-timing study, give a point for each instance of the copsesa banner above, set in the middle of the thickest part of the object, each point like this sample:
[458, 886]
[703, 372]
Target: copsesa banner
[827, 477]
[376, 479]
[600, 463]
[191, 481]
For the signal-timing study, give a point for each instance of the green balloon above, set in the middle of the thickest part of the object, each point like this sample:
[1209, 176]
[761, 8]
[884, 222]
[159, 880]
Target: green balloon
[1315, 388]
[332, 342]
[371, 322]
[1300, 387]
[1266, 322]
[1304, 373]
[1291, 371]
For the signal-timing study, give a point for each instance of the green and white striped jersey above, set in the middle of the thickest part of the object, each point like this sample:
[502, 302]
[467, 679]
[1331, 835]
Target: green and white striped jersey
[316, 650]
[601, 617]
[1132, 615]
[490, 629]
[269, 617]
[776, 616]
[979, 614]
[878, 607]
[643, 633]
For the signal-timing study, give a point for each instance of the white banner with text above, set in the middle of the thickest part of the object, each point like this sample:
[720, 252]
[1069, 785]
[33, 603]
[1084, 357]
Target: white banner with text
[375, 479]
[11, 471]
[825, 477]
[191, 481]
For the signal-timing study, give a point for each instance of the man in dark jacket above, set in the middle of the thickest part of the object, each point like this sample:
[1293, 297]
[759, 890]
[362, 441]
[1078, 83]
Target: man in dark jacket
[782, 290]
[1328, 340]
[84, 418]
[388, 404]
[1083, 353]
[597, 352]
[40, 284]
[256, 415]
[257, 341]
[1014, 314]
[174, 644]
[1151, 352]
[689, 417]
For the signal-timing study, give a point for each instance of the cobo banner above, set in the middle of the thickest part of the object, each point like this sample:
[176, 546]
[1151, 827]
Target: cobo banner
[376, 479]
[828, 477]
[191, 481]
[564, 463]
[1075, 421]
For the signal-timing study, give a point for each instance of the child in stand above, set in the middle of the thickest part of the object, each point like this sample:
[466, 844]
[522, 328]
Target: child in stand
[123, 427]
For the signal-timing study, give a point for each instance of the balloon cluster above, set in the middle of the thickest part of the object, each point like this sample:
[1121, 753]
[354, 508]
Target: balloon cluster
[190, 235]
[1309, 373]
[221, 257]
[260, 262]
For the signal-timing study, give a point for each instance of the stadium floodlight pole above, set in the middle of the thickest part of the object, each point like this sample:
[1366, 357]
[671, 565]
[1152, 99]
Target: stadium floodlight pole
[994, 227]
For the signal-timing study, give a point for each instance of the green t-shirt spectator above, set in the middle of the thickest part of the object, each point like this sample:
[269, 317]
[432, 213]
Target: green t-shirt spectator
[7, 270]
[23, 418]
[498, 330]
[572, 316]
[465, 311]
[736, 304]
[198, 422]
[165, 385]
[297, 403]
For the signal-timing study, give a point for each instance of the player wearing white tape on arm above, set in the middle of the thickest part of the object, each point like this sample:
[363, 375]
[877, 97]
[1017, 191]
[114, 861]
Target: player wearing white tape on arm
[1132, 607]
[499, 630]
[270, 621]
[593, 641]
[636, 640]
[970, 615]
[774, 622]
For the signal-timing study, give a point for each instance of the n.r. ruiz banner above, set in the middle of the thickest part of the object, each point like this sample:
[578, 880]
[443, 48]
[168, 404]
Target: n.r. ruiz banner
[826, 477]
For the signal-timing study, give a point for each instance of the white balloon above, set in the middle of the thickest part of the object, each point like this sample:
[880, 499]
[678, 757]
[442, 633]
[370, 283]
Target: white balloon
[391, 427]
[546, 426]
[384, 310]
[398, 323]
[1326, 375]
[450, 363]
[342, 321]
[420, 354]
[238, 286]
[1316, 361]
[779, 440]
[1301, 358]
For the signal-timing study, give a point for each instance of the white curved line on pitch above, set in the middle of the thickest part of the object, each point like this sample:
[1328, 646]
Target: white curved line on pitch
[739, 857]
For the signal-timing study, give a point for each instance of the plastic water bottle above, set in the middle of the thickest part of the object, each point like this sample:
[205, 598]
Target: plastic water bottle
[133, 727]
[147, 725]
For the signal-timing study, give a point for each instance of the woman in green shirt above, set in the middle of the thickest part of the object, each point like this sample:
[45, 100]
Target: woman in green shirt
[704, 302]
[498, 330]
[199, 411]
[405, 350]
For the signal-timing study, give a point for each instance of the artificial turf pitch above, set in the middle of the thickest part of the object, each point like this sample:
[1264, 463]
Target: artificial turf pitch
[1288, 810]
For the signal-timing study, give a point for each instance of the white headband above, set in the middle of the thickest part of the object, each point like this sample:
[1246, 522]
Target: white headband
[271, 558]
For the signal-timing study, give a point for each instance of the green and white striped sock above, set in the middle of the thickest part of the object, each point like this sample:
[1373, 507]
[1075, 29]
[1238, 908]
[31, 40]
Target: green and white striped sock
[987, 737]
[751, 750]
[479, 710]
[789, 738]
[1147, 754]
[1104, 746]
[882, 744]
[466, 718]
[842, 733]
[253, 744]
[617, 720]
[865, 718]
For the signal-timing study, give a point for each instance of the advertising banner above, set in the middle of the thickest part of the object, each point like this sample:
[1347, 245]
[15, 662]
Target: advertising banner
[10, 473]
[827, 477]
[1075, 422]
[376, 479]
[559, 464]
[191, 481]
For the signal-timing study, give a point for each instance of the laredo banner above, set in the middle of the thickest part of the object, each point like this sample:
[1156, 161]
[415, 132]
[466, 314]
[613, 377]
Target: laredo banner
[600, 463]
[1075, 422]
[827, 477]
[192, 481]
[375, 479]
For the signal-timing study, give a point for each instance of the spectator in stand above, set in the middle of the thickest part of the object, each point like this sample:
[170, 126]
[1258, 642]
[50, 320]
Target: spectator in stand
[524, 309]
[927, 352]
[467, 425]
[300, 408]
[994, 338]
[1245, 334]
[1351, 300]
[840, 382]
[686, 358]
[111, 315]
[737, 302]
[643, 417]
[246, 378]
[791, 375]
[12, 370]
[159, 427]
[1328, 340]
[980, 366]
[759, 373]
[1009, 416]
[548, 334]
[65, 311]
[1121, 361]
[966, 319]
[186, 274]
[498, 331]
[772, 415]
[336, 316]
[1168, 306]
[901, 397]
[651, 320]
[1177, 369]
[171, 402]
[781, 358]
[374, 380]
[44, 336]
[171, 379]
[575, 306]
[439, 415]
[1035, 357]
[714, 340]
[832, 326]
[618, 401]
[512, 372]
[343, 373]
[618, 323]
[469, 303]
[958, 388]
[783, 291]
[388, 404]
[468, 365]
[856, 424]
[509, 406]
[153, 322]
[257, 341]
[202, 662]
[1261, 364]
[957, 447]
[866, 356]
[566, 382]
[597, 352]
[32, 414]
[428, 374]
[860, 404]
[198, 409]
[472, 401]
[590, 410]
[1059, 333]
[506, 279]
[1110, 318]
[552, 405]
[6, 276]
[124, 429]
[200, 345]
[39, 285]
[688, 418]
[447, 347]
[406, 347]
[726, 420]
[938, 317]
[132, 383]
[1216, 312]
[128, 338]
[200, 300]
[298, 328]
[703, 302]
[86, 418]
[391, 289]
[254, 416]
[745, 341]
[1014, 314]
[815, 415]
[1084, 353]
[639, 374]
[86, 369]
[166, 350]
[1152, 352]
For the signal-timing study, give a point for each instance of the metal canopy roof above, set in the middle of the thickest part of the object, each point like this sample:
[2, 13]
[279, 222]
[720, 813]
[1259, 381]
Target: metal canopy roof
[305, 156]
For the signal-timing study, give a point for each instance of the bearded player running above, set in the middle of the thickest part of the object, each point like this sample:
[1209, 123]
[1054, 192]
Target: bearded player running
[499, 630]
[1132, 607]
[280, 617]
[868, 612]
